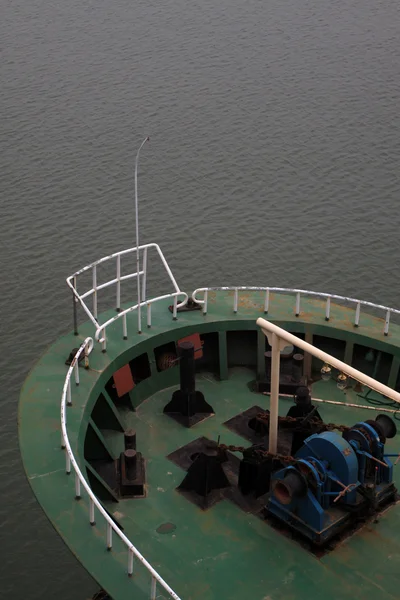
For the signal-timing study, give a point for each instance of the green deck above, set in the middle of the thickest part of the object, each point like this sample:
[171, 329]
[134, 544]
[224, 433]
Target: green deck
[222, 553]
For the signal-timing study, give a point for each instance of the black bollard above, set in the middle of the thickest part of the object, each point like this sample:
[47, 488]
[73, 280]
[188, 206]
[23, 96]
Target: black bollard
[131, 467]
[130, 439]
[303, 409]
[255, 471]
[187, 406]
[204, 478]
[130, 458]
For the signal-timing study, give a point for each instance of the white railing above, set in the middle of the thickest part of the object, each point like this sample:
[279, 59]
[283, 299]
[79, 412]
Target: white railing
[100, 328]
[132, 552]
[278, 338]
[298, 294]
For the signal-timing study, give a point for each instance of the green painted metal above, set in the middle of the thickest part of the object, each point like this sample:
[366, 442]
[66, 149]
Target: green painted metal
[101, 486]
[260, 354]
[394, 371]
[99, 435]
[348, 353]
[119, 422]
[223, 355]
[308, 337]
[221, 553]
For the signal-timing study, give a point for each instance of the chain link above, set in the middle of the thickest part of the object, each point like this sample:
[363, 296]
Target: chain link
[283, 458]
[265, 453]
[316, 423]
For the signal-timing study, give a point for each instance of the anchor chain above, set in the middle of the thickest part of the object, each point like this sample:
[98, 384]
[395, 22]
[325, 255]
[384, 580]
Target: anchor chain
[290, 460]
[316, 423]
[283, 458]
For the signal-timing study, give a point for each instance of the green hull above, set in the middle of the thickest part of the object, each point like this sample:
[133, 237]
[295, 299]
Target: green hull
[222, 552]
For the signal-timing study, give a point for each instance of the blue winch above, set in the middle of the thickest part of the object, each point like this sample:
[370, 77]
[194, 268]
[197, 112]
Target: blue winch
[335, 478]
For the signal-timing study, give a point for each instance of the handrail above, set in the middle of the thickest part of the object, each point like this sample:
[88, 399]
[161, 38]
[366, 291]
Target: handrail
[100, 331]
[66, 400]
[299, 293]
[278, 338]
[140, 275]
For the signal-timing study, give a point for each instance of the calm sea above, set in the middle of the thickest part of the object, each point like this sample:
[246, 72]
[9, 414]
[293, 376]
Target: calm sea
[274, 160]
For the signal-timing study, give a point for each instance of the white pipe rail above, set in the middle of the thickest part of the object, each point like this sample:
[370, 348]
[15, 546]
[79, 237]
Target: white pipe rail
[298, 293]
[86, 347]
[278, 339]
[139, 275]
[100, 335]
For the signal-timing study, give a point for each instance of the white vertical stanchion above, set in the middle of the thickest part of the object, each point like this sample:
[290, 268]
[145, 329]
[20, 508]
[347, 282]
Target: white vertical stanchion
[274, 398]
[328, 309]
[118, 283]
[266, 302]
[130, 563]
[109, 536]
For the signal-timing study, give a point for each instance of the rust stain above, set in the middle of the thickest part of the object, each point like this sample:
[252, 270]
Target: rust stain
[209, 525]
[373, 583]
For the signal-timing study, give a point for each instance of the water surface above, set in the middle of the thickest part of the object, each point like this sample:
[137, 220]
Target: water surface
[274, 160]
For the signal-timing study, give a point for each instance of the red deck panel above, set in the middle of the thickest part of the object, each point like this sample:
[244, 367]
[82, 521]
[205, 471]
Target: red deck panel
[123, 380]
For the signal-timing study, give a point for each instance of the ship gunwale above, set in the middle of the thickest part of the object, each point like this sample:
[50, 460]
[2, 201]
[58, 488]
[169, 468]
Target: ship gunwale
[39, 406]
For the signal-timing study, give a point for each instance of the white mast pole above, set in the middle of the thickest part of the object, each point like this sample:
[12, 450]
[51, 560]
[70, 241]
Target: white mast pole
[139, 311]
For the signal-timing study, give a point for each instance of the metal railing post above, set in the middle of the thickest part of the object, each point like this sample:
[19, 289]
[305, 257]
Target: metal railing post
[67, 463]
[94, 274]
[75, 308]
[387, 321]
[104, 340]
[266, 302]
[91, 513]
[297, 304]
[328, 309]
[76, 372]
[175, 309]
[109, 537]
[69, 399]
[205, 302]
[86, 360]
[144, 277]
[357, 317]
[149, 314]
[235, 301]
[124, 327]
[77, 487]
[118, 307]
[130, 563]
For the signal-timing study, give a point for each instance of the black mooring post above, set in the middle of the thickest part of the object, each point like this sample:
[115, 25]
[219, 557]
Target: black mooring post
[130, 439]
[130, 457]
[187, 371]
[75, 315]
[187, 405]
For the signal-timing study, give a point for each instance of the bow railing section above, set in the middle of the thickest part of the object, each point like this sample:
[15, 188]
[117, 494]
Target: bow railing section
[178, 297]
[80, 482]
[297, 296]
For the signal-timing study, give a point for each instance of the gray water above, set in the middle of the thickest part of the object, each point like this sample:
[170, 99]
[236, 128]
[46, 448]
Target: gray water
[274, 160]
